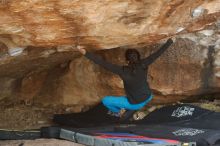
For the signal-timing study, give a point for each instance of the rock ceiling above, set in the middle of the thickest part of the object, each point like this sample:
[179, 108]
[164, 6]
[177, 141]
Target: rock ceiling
[100, 24]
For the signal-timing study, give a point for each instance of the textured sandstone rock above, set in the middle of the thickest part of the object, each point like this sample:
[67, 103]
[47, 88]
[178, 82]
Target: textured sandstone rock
[86, 83]
[216, 67]
[31, 86]
[7, 86]
[101, 24]
[178, 72]
[37, 38]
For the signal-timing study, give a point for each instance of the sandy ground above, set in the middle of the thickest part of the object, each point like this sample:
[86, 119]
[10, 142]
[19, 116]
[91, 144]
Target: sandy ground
[18, 116]
[38, 142]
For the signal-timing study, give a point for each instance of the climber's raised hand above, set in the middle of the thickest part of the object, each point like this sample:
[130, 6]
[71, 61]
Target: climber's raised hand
[81, 49]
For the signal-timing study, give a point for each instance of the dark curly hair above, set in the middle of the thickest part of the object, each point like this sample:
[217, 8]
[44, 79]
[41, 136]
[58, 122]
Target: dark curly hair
[133, 57]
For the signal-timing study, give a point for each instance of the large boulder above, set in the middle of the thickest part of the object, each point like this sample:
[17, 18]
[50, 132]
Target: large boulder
[99, 24]
[37, 39]
[179, 73]
[7, 87]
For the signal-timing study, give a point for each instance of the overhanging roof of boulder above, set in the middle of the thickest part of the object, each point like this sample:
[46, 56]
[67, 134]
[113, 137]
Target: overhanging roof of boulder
[102, 24]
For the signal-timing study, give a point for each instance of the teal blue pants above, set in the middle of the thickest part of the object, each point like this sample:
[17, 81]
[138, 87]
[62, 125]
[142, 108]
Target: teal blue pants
[116, 103]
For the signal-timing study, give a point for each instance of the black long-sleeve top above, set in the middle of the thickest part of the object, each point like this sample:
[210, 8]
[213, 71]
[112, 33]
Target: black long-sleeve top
[135, 83]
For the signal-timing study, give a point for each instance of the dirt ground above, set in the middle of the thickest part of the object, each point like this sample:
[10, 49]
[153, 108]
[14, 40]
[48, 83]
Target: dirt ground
[38, 142]
[18, 116]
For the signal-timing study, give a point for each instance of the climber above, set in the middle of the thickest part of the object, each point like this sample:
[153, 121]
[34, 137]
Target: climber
[134, 76]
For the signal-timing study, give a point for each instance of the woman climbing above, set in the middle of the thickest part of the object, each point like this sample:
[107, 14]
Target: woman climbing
[134, 76]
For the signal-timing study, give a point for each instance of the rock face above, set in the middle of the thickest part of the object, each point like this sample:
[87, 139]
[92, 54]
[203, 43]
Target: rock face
[37, 37]
[179, 73]
[7, 87]
[99, 24]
